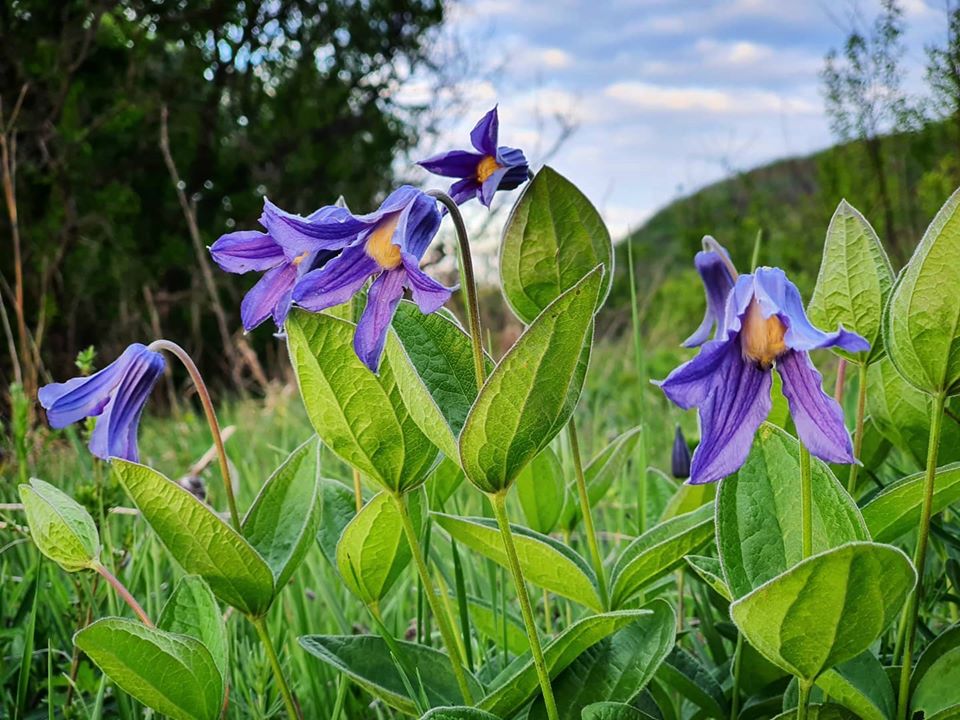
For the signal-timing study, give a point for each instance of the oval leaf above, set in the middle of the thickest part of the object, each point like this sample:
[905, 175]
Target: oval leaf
[338, 507]
[936, 678]
[613, 711]
[192, 610]
[853, 591]
[711, 572]
[458, 713]
[61, 528]
[686, 674]
[895, 510]
[820, 712]
[861, 685]
[541, 491]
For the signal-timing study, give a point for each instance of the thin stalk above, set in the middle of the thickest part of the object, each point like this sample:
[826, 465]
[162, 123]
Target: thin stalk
[841, 383]
[735, 692]
[858, 428]
[499, 502]
[183, 357]
[806, 502]
[755, 258]
[449, 640]
[803, 700]
[641, 362]
[357, 490]
[124, 594]
[920, 554]
[293, 711]
[585, 511]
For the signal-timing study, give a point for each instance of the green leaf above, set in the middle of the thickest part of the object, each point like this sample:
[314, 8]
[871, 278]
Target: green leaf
[922, 324]
[820, 712]
[366, 659]
[711, 572]
[758, 512]
[489, 621]
[935, 683]
[358, 415]
[531, 394]
[686, 674]
[545, 562]
[192, 610]
[283, 520]
[553, 238]
[895, 510]
[855, 281]
[853, 592]
[338, 506]
[171, 673]
[861, 685]
[373, 551]
[198, 539]
[658, 551]
[517, 689]
[613, 711]
[60, 526]
[541, 491]
[443, 482]
[458, 713]
[688, 498]
[615, 669]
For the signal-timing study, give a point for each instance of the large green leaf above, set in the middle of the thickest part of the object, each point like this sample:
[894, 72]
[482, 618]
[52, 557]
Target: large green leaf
[613, 711]
[541, 490]
[827, 609]
[338, 506]
[60, 526]
[711, 572]
[515, 691]
[553, 237]
[198, 539]
[615, 669]
[759, 532]
[854, 282]
[546, 562]
[358, 415]
[935, 684]
[458, 713]
[861, 685]
[685, 674]
[922, 328]
[373, 550]
[192, 610]
[820, 712]
[171, 673]
[895, 510]
[531, 394]
[366, 659]
[283, 520]
[658, 551]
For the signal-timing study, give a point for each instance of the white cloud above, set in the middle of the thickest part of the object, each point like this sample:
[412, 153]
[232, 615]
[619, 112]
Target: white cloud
[741, 52]
[664, 98]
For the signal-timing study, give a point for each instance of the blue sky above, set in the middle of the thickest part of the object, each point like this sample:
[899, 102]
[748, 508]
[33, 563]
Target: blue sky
[667, 96]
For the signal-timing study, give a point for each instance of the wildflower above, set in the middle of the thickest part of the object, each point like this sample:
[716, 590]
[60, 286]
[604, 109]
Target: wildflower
[680, 456]
[718, 275]
[485, 171]
[764, 326]
[388, 245]
[287, 251]
[115, 396]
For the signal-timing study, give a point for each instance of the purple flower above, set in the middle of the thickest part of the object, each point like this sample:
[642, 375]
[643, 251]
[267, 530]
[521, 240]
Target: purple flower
[485, 171]
[115, 396]
[388, 245]
[289, 249]
[718, 275]
[764, 326]
[680, 456]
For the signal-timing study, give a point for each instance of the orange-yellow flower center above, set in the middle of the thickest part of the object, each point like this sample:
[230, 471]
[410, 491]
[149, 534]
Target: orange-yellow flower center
[300, 258]
[486, 167]
[380, 244]
[761, 338]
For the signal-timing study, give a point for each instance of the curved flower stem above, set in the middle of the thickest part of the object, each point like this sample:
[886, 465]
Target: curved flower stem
[803, 700]
[920, 554]
[183, 357]
[806, 503]
[469, 282]
[499, 502]
[858, 429]
[293, 711]
[585, 511]
[124, 594]
[429, 589]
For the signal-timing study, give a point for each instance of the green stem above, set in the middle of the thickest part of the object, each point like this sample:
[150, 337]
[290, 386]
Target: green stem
[806, 502]
[641, 363]
[735, 692]
[446, 633]
[587, 515]
[204, 394]
[260, 625]
[858, 430]
[499, 502]
[920, 554]
[803, 700]
[124, 594]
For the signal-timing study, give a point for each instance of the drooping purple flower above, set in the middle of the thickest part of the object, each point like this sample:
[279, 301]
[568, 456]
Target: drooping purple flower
[680, 456]
[388, 245]
[485, 171]
[764, 326]
[287, 251]
[115, 396]
[718, 275]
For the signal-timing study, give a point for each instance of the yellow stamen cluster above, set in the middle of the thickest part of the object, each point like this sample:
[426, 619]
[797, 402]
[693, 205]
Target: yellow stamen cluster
[380, 244]
[761, 339]
[300, 258]
[486, 167]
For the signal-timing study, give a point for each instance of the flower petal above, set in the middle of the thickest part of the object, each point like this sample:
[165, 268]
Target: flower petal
[263, 299]
[329, 228]
[484, 134]
[417, 225]
[818, 417]
[463, 190]
[717, 284]
[337, 281]
[729, 418]
[490, 186]
[246, 250]
[427, 293]
[382, 301]
[515, 160]
[688, 385]
[454, 163]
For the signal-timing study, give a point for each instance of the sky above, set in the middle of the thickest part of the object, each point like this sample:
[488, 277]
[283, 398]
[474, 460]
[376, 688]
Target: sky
[666, 96]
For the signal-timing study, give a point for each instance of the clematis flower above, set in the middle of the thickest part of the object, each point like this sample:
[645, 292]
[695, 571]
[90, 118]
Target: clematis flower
[386, 245]
[764, 327]
[287, 251]
[115, 396]
[485, 171]
[718, 275]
